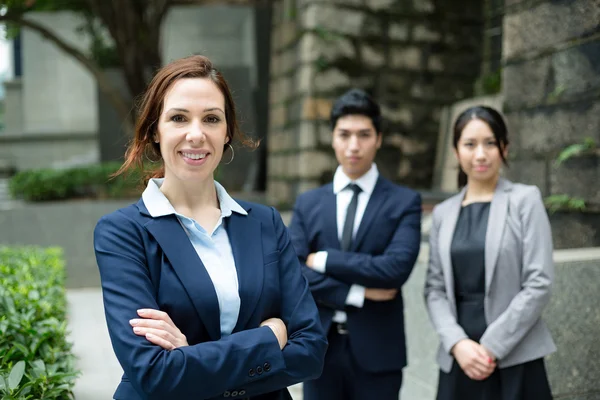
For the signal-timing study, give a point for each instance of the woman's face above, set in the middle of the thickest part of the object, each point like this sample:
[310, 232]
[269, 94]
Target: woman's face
[192, 129]
[478, 153]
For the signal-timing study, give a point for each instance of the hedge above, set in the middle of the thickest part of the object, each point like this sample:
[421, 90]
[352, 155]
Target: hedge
[93, 181]
[36, 361]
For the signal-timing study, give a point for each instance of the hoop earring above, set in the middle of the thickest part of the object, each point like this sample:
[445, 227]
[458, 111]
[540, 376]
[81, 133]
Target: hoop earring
[232, 154]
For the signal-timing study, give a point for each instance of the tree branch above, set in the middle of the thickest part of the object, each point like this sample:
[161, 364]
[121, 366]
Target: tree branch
[122, 106]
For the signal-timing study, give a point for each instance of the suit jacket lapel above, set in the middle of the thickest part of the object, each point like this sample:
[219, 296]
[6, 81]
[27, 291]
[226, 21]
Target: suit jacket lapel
[446, 233]
[329, 218]
[246, 244]
[373, 207]
[495, 229]
[176, 245]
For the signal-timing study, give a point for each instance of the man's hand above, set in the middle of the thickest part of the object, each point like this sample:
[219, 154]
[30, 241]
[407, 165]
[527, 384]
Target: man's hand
[380, 294]
[279, 329]
[473, 359]
[310, 260]
[158, 328]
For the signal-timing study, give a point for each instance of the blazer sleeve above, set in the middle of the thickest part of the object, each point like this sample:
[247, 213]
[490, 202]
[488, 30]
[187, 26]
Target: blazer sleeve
[326, 290]
[436, 297]
[537, 275]
[304, 353]
[154, 372]
[390, 269]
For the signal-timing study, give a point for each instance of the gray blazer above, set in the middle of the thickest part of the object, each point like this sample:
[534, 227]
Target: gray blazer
[519, 272]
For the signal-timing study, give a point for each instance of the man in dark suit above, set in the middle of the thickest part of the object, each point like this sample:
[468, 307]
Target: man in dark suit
[358, 239]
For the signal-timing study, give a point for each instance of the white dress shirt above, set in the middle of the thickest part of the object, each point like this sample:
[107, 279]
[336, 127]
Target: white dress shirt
[213, 248]
[343, 196]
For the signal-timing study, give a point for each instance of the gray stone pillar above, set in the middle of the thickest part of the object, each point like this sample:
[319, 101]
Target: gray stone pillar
[413, 56]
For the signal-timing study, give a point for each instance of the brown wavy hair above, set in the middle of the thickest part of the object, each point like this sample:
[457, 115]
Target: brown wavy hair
[143, 149]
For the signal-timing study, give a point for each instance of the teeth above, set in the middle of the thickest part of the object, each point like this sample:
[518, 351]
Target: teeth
[194, 156]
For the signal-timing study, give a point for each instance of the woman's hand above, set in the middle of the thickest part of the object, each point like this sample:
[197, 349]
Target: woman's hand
[473, 359]
[380, 294]
[279, 329]
[158, 328]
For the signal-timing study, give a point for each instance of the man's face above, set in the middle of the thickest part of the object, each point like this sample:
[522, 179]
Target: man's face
[355, 142]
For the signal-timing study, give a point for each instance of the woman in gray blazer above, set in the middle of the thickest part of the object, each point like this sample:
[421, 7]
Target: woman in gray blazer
[490, 274]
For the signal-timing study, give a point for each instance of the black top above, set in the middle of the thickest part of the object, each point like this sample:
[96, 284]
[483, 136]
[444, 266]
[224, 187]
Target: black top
[468, 267]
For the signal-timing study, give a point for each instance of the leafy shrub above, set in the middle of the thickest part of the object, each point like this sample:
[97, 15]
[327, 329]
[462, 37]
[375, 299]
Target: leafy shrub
[92, 181]
[35, 358]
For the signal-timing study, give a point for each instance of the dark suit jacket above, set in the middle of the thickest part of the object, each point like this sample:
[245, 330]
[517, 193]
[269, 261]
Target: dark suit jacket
[382, 255]
[149, 262]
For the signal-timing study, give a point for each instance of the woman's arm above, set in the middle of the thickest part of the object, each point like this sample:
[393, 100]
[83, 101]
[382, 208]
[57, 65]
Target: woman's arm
[305, 350]
[200, 371]
[436, 299]
[525, 309]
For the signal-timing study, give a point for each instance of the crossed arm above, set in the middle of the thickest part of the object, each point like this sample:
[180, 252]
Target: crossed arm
[389, 270]
[157, 360]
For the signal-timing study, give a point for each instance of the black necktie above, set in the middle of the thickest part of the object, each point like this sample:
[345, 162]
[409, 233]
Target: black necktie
[350, 214]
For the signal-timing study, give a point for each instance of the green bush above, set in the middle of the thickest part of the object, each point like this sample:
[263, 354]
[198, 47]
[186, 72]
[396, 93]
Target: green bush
[35, 358]
[84, 182]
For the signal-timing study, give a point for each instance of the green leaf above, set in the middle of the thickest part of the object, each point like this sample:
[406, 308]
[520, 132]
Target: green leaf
[16, 374]
[574, 150]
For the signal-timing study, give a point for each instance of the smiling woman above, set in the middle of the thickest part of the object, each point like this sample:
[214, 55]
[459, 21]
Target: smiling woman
[203, 294]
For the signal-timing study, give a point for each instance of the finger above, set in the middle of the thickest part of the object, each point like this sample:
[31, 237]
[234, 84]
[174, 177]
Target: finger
[154, 323]
[154, 314]
[156, 332]
[157, 340]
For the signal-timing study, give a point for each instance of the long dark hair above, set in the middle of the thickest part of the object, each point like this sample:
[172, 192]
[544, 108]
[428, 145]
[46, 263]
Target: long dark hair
[496, 123]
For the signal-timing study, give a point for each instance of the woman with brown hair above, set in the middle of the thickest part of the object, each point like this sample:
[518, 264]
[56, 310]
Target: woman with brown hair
[203, 294]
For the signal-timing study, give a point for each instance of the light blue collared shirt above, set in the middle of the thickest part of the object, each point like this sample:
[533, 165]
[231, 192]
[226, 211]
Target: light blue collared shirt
[214, 249]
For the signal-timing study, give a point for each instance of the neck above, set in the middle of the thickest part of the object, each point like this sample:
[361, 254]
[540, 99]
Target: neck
[355, 177]
[480, 190]
[191, 196]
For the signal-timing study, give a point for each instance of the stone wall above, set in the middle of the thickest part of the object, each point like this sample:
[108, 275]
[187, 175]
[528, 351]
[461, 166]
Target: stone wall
[551, 85]
[414, 56]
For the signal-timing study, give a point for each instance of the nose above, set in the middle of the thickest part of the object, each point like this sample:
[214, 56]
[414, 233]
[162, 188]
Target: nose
[353, 143]
[196, 133]
[479, 152]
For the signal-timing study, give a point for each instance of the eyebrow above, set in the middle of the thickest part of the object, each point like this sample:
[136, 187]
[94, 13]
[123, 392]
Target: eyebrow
[359, 131]
[187, 111]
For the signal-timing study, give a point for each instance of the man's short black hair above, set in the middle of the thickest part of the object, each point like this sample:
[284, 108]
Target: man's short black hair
[356, 101]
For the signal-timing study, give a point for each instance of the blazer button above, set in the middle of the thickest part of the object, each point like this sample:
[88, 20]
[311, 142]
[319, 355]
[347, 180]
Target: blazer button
[242, 392]
[251, 373]
[259, 370]
[234, 393]
[267, 366]
[226, 394]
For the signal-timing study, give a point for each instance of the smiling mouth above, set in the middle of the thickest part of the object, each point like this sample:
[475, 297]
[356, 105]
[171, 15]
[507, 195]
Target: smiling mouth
[193, 156]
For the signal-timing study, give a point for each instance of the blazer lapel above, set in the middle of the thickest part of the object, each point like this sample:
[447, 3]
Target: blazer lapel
[446, 233]
[246, 244]
[176, 245]
[329, 218]
[495, 229]
[373, 207]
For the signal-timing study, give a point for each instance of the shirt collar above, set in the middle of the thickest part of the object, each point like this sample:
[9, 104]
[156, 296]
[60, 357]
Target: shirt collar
[366, 182]
[158, 205]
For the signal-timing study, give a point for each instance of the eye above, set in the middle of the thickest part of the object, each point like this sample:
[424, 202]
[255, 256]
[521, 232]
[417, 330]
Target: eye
[365, 135]
[212, 119]
[468, 144]
[178, 118]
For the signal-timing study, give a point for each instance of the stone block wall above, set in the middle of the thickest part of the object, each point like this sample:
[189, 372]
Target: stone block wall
[413, 56]
[551, 85]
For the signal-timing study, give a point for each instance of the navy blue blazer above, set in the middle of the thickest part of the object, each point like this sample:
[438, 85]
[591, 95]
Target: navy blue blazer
[149, 262]
[382, 255]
